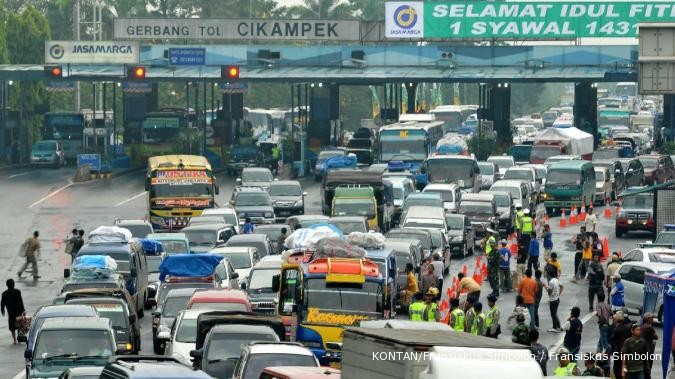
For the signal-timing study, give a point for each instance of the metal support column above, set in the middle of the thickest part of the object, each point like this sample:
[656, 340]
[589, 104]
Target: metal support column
[668, 117]
[411, 89]
[586, 109]
[500, 95]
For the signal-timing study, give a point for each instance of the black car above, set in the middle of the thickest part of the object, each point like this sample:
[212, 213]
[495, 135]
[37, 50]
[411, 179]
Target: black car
[242, 156]
[254, 203]
[658, 168]
[258, 285]
[461, 236]
[634, 172]
[287, 198]
[636, 212]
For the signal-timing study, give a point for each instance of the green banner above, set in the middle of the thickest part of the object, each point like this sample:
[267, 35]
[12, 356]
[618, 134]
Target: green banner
[522, 19]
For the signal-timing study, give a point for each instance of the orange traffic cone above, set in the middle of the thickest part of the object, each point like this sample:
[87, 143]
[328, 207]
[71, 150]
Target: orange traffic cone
[608, 210]
[582, 215]
[563, 220]
[605, 248]
[574, 217]
[465, 270]
[484, 271]
[478, 277]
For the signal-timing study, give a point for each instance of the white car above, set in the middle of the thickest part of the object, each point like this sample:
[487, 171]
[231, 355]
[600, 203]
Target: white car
[256, 356]
[649, 254]
[227, 213]
[450, 194]
[526, 174]
[503, 163]
[633, 277]
[242, 259]
[183, 336]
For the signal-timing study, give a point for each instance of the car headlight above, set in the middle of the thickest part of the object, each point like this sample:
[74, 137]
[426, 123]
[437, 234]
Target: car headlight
[125, 346]
[268, 215]
[298, 203]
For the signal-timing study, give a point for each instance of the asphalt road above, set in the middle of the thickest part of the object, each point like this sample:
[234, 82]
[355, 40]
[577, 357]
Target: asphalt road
[46, 200]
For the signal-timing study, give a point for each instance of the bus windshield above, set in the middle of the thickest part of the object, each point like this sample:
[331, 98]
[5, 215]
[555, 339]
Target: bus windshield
[403, 145]
[563, 178]
[365, 298]
[458, 171]
[160, 130]
[544, 152]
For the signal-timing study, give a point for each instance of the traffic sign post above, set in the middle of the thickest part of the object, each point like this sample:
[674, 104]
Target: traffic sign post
[91, 160]
[193, 56]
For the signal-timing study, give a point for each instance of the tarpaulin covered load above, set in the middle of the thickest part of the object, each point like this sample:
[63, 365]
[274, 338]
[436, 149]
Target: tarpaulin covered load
[108, 234]
[366, 240]
[152, 247]
[340, 161]
[451, 144]
[94, 267]
[190, 265]
[306, 238]
[577, 141]
[337, 248]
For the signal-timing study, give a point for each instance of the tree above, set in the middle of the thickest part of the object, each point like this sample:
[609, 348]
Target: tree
[322, 9]
[260, 9]
[369, 10]
[175, 8]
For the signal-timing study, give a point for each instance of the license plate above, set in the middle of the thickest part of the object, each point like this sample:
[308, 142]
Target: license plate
[285, 213]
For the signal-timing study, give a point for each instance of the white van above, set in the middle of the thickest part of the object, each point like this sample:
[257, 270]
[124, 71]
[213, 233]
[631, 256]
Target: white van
[422, 217]
[480, 363]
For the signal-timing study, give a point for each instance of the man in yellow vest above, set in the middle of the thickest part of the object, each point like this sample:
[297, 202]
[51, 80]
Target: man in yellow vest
[492, 328]
[478, 326]
[493, 260]
[416, 309]
[456, 316]
[526, 228]
[565, 366]
[276, 155]
[431, 312]
[519, 216]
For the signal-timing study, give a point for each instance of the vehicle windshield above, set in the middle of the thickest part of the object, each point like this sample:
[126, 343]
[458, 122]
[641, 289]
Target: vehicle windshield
[398, 193]
[160, 130]
[44, 146]
[458, 171]
[122, 259]
[253, 199]
[261, 279]
[187, 330]
[201, 237]
[662, 257]
[665, 238]
[273, 233]
[256, 176]
[403, 145]
[164, 290]
[426, 240]
[71, 343]
[260, 246]
[606, 154]
[502, 163]
[514, 192]
[138, 231]
[413, 201]
[221, 306]
[258, 362]
[502, 201]
[113, 312]
[519, 175]
[243, 151]
[486, 168]
[642, 201]
[228, 345]
[239, 260]
[354, 207]
[350, 226]
[563, 178]
[542, 153]
[330, 154]
[476, 208]
[153, 263]
[423, 223]
[175, 247]
[174, 304]
[649, 163]
[448, 196]
[599, 176]
[285, 190]
[626, 90]
[455, 223]
[343, 298]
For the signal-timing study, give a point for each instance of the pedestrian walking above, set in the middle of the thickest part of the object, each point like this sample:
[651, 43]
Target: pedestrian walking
[552, 267]
[471, 286]
[612, 268]
[527, 288]
[493, 258]
[70, 244]
[539, 351]
[547, 237]
[478, 325]
[616, 295]
[431, 312]
[248, 226]
[492, 327]
[12, 302]
[521, 260]
[456, 321]
[620, 332]
[573, 329]
[521, 332]
[519, 216]
[429, 278]
[469, 313]
[586, 256]
[633, 367]
[412, 287]
[604, 314]
[281, 240]
[505, 267]
[591, 221]
[31, 250]
[416, 309]
[537, 296]
[554, 289]
[566, 366]
[533, 252]
[596, 281]
[578, 247]
[648, 334]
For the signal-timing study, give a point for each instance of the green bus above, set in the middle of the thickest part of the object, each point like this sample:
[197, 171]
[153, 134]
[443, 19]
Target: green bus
[569, 183]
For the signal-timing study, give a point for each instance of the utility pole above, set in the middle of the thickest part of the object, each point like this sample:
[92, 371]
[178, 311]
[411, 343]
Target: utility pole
[76, 37]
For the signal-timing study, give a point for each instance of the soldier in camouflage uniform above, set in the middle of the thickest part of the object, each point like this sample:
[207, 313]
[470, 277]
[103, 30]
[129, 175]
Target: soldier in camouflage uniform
[521, 333]
[492, 255]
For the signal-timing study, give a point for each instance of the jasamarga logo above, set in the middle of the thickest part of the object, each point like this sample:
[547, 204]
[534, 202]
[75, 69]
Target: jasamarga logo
[404, 19]
[101, 49]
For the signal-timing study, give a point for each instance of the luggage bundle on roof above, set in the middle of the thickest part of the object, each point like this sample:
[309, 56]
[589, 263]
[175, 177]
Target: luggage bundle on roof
[337, 248]
[94, 267]
[110, 234]
[188, 265]
[151, 247]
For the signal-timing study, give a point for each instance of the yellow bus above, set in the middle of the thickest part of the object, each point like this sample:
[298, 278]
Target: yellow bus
[179, 188]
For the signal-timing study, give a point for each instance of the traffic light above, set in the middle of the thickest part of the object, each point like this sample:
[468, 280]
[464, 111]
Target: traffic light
[54, 71]
[136, 72]
[229, 72]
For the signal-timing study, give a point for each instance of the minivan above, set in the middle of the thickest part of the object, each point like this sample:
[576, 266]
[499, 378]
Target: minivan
[569, 183]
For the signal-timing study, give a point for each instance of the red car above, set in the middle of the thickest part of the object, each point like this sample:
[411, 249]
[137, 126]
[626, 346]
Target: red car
[220, 300]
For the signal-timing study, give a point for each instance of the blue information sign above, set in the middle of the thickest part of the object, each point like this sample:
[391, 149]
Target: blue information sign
[91, 160]
[189, 56]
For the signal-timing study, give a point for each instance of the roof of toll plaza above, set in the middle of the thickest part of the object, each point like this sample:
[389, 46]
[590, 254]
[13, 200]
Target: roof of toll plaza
[372, 65]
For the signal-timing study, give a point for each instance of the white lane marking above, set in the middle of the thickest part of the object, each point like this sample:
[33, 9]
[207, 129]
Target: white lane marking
[51, 194]
[20, 174]
[20, 375]
[560, 342]
[130, 199]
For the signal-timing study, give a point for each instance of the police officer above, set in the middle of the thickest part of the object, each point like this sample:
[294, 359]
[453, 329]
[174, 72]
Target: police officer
[566, 367]
[478, 326]
[519, 216]
[492, 255]
[456, 316]
[492, 328]
[416, 309]
[276, 155]
[526, 228]
[431, 312]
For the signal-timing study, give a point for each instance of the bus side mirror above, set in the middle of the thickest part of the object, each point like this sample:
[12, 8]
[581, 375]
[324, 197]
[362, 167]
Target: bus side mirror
[276, 283]
[66, 273]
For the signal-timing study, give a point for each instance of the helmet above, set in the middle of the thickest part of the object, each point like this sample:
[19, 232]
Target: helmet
[519, 205]
[526, 211]
[562, 350]
[432, 291]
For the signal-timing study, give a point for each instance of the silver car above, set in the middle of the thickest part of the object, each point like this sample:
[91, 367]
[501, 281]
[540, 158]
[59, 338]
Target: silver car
[47, 153]
[488, 174]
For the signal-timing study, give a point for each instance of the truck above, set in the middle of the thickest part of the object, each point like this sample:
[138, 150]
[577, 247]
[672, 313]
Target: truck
[403, 352]
[452, 144]
[382, 192]
[356, 200]
[561, 141]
